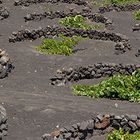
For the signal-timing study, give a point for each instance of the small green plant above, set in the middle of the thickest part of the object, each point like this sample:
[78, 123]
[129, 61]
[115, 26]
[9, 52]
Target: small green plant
[120, 2]
[78, 21]
[60, 47]
[137, 15]
[123, 87]
[121, 135]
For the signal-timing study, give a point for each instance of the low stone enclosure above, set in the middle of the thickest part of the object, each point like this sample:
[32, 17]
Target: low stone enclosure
[61, 14]
[138, 53]
[91, 72]
[4, 13]
[29, 2]
[119, 8]
[99, 125]
[3, 122]
[122, 42]
[136, 27]
[5, 64]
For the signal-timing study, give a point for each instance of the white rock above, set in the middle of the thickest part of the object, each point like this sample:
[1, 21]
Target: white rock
[5, 59]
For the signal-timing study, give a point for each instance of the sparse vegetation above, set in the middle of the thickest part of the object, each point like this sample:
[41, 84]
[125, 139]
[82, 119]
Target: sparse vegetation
[117, 2]
[137, 15]
[123, 87]
[121, 135]
[121, 2]
[78, 21]
[64, 46]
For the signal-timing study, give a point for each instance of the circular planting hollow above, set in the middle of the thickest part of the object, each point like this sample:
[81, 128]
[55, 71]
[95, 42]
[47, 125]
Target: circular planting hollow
[122, 42]
[98, 125]
[98, 70]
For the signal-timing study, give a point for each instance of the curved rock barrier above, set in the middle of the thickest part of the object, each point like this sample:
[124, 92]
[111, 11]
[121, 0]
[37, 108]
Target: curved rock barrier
[138, 53]
[61, 14]
[3, 122]
[99, 125]
[4, 13]
[5, 64]
[29, 2]
[136, 27]
[91, 72]
[118, 8]
[122, 42]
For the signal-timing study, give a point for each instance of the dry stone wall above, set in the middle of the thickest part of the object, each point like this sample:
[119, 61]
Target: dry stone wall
[61, 14]
[118, 8]
[91, 72]
[98, 125]
[29, 2]
[3, 122]
[4, 13]
[5, 64]
[122, 42]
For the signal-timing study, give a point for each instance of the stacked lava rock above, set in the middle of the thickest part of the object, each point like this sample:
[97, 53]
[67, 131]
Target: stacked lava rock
[122, 42]
[136, 27]
[119, 8]
[3, 13]
[28, 2]
[61, 14]
[101, 124]
[3, 122]
[91, 72]
[138, 53]
[5, 64]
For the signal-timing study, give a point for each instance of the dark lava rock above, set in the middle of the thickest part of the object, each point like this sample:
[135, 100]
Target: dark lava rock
[29, 2]
[4, 13]
[3, 122]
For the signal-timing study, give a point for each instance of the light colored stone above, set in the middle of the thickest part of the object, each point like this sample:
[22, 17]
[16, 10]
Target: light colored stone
[5, 59]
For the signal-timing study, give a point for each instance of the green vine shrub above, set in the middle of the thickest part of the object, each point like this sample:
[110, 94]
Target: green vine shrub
[123, 87]
[78, 21]
[137, 15]
[64, 46]
[121, 135]
[116, 2]
[121, 2]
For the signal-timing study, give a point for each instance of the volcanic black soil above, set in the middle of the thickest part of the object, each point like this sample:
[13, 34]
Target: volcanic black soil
[33, 105]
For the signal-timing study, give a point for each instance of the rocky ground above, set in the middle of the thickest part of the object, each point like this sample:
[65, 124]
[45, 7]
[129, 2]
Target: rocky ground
[33, 105]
